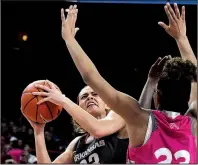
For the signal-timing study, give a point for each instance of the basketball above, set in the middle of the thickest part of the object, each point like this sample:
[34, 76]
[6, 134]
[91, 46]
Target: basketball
[42, 113]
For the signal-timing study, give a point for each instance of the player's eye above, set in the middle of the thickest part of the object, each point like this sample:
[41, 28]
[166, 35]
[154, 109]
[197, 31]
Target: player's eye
[94, 94]
[83, 97]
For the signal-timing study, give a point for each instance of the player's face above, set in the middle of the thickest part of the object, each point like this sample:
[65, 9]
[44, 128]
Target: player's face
[91, 102]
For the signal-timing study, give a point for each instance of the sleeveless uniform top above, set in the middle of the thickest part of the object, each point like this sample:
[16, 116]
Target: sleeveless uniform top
[105, 150]
[171, 140]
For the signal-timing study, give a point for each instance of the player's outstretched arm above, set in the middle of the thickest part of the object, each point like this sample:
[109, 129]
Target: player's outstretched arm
[124, 105]
[152, 80]
[97, 128]
[177, 30]
[41, 150]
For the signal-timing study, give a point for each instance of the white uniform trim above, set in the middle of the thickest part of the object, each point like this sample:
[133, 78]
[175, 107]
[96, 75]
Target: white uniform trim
[149, 130]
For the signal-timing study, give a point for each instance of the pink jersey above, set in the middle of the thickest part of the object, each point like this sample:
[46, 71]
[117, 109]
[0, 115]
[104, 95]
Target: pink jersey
[172, 141]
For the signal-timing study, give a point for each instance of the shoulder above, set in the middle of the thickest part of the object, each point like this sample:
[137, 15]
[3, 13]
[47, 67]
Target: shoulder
[73, 143]
[192, 111]
[123, 134]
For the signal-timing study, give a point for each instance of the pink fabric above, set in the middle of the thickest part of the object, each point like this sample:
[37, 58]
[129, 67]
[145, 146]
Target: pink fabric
[172, 142]
[15, 154]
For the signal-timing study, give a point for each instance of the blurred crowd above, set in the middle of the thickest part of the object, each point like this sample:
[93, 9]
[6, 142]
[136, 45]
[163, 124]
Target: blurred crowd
[18, 145]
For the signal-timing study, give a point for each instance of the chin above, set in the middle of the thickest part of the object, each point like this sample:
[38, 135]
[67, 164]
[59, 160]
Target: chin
[93, 111]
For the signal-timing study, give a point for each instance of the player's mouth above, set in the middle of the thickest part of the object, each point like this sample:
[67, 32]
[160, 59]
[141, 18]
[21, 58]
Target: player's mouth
[91, 103]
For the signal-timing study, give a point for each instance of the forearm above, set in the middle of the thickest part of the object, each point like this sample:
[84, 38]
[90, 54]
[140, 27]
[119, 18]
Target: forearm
[81, 60]
[89, 123]
[147, 94]
[41, 150]
[187, 53]
[186, 50]
[193, 94]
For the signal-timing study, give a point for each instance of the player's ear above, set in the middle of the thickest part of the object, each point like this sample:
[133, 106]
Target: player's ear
[107, 107]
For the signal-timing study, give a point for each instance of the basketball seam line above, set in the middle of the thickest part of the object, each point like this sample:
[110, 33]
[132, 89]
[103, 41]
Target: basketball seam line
[36, 108]
[28, 102]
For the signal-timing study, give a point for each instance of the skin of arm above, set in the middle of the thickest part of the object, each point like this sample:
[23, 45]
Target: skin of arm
[127, 107]
[124, 105]
[147, 94]
[150, 86]
[41, 149]
[97, 128]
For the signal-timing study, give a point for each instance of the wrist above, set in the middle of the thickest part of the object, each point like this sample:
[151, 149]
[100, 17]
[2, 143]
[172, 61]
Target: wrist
[181, 38]
[69, 39]
[152, 82]
[63, 100]
[39, 131]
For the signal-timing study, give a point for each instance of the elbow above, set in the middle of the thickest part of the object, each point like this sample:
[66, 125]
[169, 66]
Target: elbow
[86, 77]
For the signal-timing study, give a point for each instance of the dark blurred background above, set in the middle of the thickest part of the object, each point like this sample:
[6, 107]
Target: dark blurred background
[123, 40]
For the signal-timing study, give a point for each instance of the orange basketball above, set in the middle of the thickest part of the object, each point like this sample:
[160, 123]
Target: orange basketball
[43, 113]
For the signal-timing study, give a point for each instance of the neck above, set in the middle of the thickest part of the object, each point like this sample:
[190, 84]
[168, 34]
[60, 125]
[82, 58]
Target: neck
[171, 114]
[99, 116]
[180, 109]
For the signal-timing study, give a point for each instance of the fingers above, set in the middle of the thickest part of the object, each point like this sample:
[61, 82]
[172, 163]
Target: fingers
[157, 61]
[41, 94]
[52, 86]
[69, 14]
[44, 120]
[43, 100]
[177, 10]
[43, 87]
[171, 11]
[76, 30]
[62, 15]
[170, 18]
[162, 62]
[183, 13]
[75, 13]
[169, 57]
[163, 25]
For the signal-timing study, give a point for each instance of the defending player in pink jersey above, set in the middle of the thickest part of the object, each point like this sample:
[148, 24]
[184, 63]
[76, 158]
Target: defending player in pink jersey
[170, 137]
[176, 29]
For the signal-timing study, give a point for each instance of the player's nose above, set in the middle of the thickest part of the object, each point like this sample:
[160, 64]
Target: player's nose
[90, 97]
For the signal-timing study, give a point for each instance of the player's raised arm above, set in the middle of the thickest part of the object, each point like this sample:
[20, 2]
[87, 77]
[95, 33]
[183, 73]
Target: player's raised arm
[97, 128]
[150, 86]
[41, 150]
[177, 30]
[126, 106]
